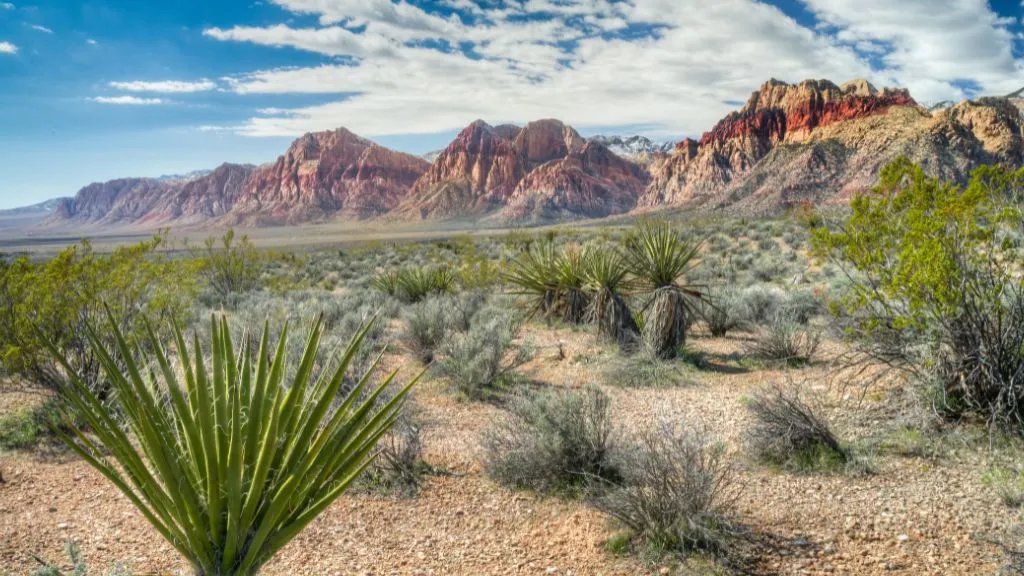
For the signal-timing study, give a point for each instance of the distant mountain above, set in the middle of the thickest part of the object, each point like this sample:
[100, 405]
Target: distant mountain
[636, 148]
[819, 142]
[42, 208]
[814, 141]
[542, 171]
[187, 177]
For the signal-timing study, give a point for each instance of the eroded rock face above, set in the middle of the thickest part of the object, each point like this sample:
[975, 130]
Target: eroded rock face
[590, 183]
[476, 173]
[116, 201]
[326, 175]
[816, 141]
[543, 170]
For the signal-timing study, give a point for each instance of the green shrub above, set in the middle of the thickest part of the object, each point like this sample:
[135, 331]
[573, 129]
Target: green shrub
[411, 285]
[54, 300]
[222, 457]
[555, 442]
[230, 268]
[25, 428]
[931, 268]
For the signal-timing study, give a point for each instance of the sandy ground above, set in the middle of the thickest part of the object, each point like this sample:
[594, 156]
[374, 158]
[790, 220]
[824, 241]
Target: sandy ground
[910, 516]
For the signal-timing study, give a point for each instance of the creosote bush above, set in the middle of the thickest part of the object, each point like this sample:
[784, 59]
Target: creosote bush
[226, 460]
[676, 491]
[555, 442]
[789, 433]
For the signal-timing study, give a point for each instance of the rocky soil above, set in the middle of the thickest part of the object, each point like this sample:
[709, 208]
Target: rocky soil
[909, 515]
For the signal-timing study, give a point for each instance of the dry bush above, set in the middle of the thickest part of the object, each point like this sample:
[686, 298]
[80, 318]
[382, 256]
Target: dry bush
[790, 433]
[677, 490]
[425, 325]
[558, 441]
[784, 340]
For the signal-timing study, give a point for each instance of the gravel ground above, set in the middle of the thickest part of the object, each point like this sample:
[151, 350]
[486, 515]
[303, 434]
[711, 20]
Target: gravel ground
[910, 516]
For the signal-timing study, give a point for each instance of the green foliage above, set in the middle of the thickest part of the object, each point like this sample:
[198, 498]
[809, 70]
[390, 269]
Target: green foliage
[222, 457]
[607, 279]
[411, 285]
[24, 428]
[551, 280]
[229, 267]
[936, 285]
[54, 300]
[912, 234]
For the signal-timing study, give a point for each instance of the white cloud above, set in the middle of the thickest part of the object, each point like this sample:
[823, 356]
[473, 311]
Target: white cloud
[6, 6]
[933, 42]
[39, 28]
[171, 86]
[90, 42]
[555, 58]
[127, 100]
[8, 48]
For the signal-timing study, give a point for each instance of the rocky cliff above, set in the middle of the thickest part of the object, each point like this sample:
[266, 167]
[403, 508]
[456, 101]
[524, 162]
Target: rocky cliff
[819, 142]
[542, 170]
[324, 175]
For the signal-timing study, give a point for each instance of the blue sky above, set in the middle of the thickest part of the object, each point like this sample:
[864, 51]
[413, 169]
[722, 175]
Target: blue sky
[96, 90]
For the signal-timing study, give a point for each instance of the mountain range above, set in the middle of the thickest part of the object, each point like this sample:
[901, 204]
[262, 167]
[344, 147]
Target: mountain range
[814, 141]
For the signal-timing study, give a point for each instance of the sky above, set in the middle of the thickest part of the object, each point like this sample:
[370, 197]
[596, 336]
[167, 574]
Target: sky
[100, 89]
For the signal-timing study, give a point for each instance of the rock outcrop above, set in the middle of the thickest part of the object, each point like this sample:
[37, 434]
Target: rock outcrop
[819, 142]
[324, 175]
[542, 170]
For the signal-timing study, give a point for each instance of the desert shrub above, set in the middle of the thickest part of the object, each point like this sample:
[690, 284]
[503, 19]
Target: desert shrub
[555, 442]
[226, 460]
[465, 306]
[676, 492]
[784, 340]
[1008, 484]
[480, 362]
[425, 325]
[929, 270]
[26, 427]
[399, 467]
[229, 267]
[645, 370]
[659, 258]
[54, 300]
[760, 304]
[413, 284]
[802, 306]
[722, 312]
[790, 433]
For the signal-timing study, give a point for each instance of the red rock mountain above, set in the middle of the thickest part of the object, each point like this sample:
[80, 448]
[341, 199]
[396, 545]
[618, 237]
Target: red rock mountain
[326, 175]
[816, 141]
[152, 201]
[541, 171]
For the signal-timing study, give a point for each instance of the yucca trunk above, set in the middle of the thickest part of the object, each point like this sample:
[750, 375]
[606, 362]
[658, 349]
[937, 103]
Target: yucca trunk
[615, 320]
[667, 322]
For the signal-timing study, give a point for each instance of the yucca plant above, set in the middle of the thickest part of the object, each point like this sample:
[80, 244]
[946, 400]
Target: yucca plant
[574, 300]
[226, 460]
[659, 258]
[608, 282]
[415, 284]
[387, 282]
[534, 275]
